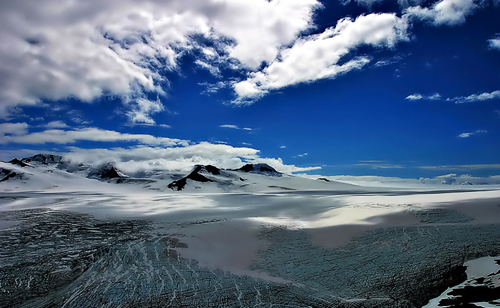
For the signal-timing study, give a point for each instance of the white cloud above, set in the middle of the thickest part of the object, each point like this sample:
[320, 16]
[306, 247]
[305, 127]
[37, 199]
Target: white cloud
[145, 158]
[444, 12]
[54, 49]
[448, 179]
[235, 127]
[414, 97]
[212, 69]
[85, 134]
[301, 155]
[476, 97]
[142, 109]
[13, 129]
[370, 3]
[459, 99]
[283, 147]
[418, 96]
[376, 165]
[467, 135]
[320, 56]
[152, 153]
[494, 42]
[56, 124]
[462, 167]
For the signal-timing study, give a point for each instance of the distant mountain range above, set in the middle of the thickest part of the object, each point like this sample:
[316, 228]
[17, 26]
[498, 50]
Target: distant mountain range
[250, 177]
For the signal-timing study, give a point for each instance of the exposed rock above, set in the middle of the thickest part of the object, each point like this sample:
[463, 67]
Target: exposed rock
[195, 176]
[110, 174]
[259, 168]
[18, 162]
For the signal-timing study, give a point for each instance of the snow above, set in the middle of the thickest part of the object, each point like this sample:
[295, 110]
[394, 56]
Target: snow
[219, 220]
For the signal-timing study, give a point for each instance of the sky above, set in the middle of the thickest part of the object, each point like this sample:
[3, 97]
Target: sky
[405, 88]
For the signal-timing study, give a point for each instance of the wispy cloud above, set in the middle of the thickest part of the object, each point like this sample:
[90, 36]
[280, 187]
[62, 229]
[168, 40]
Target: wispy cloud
[476, 97]
[381, 166]
[59, 136]
[418, 96]
[467, 135]
[457, 100]
[235, 127]
[462, 167]
[301, 155]
[56, 124]
[283, 147]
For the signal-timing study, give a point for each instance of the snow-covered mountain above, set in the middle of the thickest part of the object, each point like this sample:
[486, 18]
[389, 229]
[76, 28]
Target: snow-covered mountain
[43, 171]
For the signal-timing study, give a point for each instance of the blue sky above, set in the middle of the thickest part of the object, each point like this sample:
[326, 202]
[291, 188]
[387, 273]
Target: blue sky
[404, 89]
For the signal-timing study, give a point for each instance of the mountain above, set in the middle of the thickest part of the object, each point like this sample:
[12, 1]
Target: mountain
[260, 169]
[46, 171]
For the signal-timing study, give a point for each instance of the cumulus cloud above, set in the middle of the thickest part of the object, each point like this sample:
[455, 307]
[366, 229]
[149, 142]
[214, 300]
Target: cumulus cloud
[12, 129]
[235, 127]
[494, 43]
[418, 96]
[140, 159]
[444, 12]
[151, 153]
[322, 56]
[55, 49]
[476, 97]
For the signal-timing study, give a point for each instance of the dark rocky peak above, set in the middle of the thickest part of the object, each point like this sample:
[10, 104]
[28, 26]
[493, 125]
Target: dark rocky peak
[110, 174]
[195, 176]
[18, 162]
[43, 158]
[258, 168]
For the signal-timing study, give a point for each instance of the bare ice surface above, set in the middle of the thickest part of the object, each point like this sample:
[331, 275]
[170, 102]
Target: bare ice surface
[69, 241]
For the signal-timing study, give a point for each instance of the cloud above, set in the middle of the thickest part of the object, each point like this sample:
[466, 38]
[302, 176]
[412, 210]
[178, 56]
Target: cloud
[140, 159]
[235, 127]
[142, 109]
[152, 153]
[462, 167]
[84, 134]
[12, 129]
[283, 147]
[323, 55]
[494, 43]
[56, 124]
[375, 165]
[418, 96]
[212, 69]
[55, 49]
[301, 155]
[476, 97]
[370, 3]
[459, 99]
[467, 135]
[445, 12]
[447, 179]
